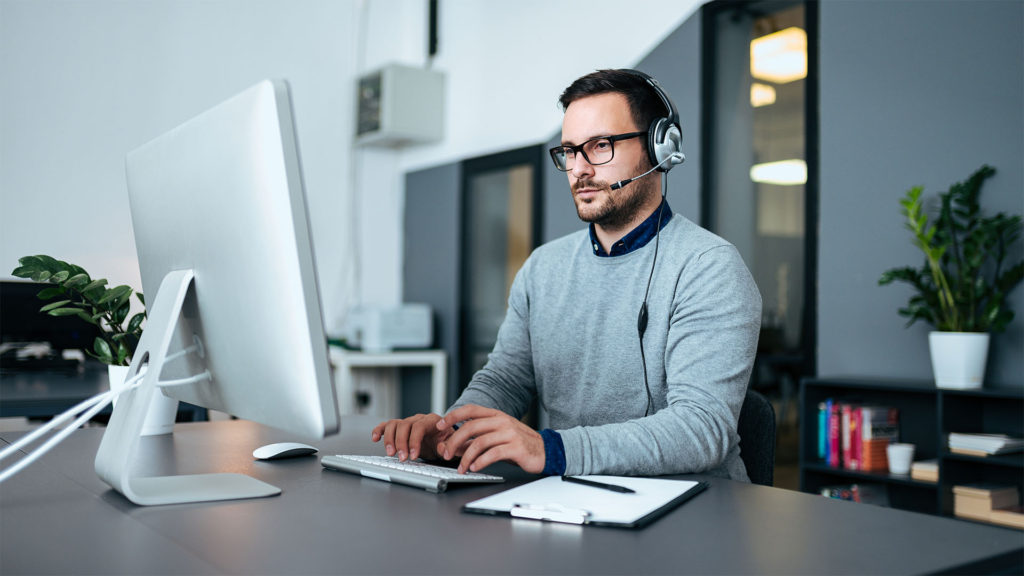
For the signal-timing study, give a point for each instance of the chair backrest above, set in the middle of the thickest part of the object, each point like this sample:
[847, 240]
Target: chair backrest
[756, 428]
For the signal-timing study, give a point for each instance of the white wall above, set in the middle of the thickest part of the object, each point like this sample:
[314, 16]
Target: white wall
[85, 82]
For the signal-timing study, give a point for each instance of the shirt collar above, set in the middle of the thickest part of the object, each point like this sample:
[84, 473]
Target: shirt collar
[637, 238]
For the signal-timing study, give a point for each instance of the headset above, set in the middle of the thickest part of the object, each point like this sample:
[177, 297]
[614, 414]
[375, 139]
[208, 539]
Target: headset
[665, 150]
[665, 134]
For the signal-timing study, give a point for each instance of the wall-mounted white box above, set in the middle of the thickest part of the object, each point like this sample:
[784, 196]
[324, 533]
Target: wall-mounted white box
[399, 105]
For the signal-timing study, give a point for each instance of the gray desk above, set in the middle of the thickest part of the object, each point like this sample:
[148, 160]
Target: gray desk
[57, 517]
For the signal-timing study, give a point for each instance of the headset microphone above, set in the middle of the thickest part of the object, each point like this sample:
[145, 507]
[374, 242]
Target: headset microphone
[676, 158]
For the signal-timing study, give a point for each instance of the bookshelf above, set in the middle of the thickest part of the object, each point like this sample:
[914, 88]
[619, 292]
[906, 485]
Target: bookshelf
[927, 415]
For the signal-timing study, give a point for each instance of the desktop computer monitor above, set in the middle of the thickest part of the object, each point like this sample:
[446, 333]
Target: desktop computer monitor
[234, 318]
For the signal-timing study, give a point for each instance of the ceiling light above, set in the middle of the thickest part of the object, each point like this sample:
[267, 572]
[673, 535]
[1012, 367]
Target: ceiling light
[779, 57]
[761, 95]
[783, 173]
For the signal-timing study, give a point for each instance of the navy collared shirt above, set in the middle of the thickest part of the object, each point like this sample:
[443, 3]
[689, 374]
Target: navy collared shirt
[637, 238]
[554, 450]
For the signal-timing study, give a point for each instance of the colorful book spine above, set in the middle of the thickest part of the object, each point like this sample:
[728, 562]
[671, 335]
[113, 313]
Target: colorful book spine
[855, 438]
[834, 443]
[826, 418]
[845, 433]
[822, 431]
[879, 426]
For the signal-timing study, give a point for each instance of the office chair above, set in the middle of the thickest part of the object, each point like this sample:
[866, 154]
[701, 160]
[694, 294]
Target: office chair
[756, 429]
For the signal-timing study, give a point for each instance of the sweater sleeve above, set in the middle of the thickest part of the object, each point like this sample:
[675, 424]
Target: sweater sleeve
[506, 382]
[709, 353]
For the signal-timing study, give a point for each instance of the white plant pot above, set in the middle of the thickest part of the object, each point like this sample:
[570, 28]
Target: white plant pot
[958, 359]
[162, 410]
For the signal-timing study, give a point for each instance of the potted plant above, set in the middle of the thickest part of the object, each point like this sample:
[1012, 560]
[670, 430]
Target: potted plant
[75, 293]
[961, 288]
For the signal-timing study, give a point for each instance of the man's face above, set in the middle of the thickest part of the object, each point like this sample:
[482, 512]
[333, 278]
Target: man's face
[606, 115]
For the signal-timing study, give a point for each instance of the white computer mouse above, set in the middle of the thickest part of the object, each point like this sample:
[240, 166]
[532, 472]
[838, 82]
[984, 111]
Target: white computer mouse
[282, 450]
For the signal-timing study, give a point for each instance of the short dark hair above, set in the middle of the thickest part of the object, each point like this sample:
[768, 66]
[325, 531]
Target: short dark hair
[644, 103]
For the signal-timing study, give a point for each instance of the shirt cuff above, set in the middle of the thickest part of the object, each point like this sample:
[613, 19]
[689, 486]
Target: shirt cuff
[554, 453]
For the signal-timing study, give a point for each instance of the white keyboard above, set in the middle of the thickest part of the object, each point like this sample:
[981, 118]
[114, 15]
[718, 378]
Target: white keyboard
[411, 472]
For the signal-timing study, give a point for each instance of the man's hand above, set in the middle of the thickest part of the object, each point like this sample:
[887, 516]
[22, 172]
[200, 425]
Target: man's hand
[488, 436]
[412, 437]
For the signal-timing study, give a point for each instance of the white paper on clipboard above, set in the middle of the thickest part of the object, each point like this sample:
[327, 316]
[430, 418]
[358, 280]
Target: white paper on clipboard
[601, 506]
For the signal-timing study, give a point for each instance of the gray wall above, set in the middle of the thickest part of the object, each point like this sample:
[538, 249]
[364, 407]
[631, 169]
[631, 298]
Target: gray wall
[912, 93]
[430, 274]
[675, 62]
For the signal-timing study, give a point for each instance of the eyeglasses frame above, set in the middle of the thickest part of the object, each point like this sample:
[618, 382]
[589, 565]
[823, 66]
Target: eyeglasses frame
[578, 149]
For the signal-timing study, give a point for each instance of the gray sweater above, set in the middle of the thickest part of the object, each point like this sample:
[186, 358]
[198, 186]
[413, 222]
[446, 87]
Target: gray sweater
[570, 337]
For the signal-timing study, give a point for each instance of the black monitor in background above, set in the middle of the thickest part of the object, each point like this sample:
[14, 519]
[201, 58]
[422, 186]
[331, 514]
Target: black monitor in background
[22, 323]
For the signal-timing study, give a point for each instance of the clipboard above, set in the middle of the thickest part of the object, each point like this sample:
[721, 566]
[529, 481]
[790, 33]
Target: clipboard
[550, 499]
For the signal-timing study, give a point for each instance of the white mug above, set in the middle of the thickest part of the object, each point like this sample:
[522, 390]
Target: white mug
[901, 456]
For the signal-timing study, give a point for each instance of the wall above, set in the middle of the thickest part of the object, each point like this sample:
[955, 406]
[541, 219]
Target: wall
[912, 93]
[433, 252]
[85, 82]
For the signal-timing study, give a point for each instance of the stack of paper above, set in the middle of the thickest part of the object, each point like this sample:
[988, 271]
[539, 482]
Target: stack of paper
[984, 444]
[925, 470]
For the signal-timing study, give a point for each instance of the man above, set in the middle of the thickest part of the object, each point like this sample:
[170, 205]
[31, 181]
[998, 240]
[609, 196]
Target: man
[664, 401]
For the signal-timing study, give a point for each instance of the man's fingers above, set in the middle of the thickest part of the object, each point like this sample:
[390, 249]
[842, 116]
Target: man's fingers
[480, 445]
[463, 413]
[389, 437]
[492, 455]
[416, 440]
[402, 439]
[469, 430]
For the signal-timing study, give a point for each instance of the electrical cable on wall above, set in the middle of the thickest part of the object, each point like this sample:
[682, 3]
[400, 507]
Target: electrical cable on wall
[352, 257]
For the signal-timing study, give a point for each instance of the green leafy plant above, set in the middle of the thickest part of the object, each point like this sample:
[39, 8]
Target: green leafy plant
[77, 294]
[964, 282]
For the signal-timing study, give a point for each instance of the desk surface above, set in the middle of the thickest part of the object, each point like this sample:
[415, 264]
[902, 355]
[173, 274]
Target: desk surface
[58, 517]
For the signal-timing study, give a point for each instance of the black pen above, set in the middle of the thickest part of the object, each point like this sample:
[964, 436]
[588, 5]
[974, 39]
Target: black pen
[612, 487]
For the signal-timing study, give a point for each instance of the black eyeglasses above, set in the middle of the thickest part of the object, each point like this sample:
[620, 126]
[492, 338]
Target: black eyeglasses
[596, 151]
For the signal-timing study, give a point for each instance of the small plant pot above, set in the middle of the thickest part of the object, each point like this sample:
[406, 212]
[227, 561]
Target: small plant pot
[162, 410]
[958, 359]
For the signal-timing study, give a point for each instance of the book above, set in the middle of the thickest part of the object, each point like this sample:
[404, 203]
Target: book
[970, 452]
[834, 444]
[846, 435]
[925, 470]
[984, 444]
[857, 440]
[822, 431]
[879, 425]
[850, 416]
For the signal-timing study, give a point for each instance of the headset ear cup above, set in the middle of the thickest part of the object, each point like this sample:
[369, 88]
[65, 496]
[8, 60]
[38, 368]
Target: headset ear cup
[654, 135]
[664, 141]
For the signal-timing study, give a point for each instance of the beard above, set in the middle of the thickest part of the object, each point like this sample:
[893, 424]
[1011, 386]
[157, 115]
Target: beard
[613, 208]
